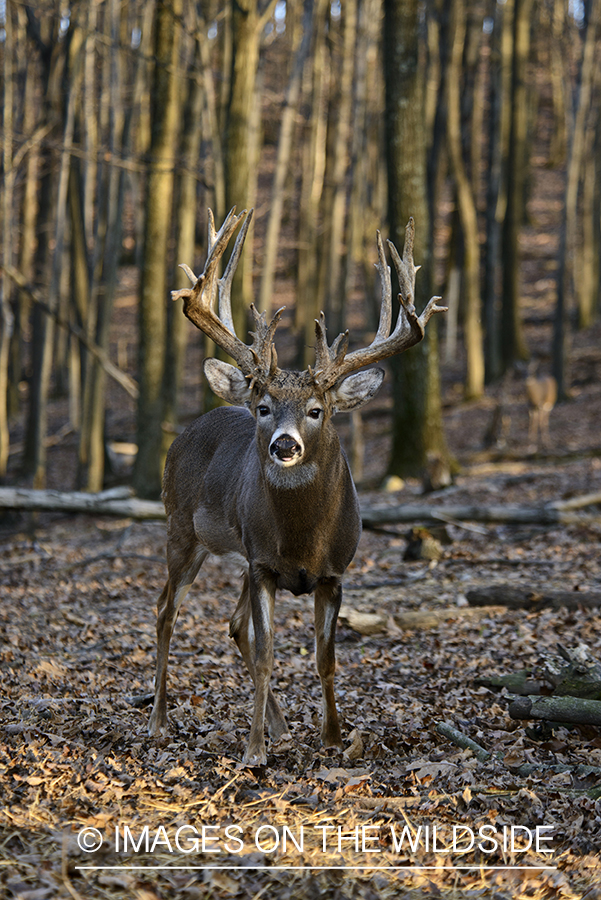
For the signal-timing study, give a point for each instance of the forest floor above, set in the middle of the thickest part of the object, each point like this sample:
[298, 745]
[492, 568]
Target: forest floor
[77, 619]
[91, 807]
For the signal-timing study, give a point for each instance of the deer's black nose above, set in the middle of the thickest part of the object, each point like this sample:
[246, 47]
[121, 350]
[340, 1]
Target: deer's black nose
[285, 447]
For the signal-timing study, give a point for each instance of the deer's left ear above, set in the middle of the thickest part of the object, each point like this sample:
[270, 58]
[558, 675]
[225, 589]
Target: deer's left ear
[356, 390]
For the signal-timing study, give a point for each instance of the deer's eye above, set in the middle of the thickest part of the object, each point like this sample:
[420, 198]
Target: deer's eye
[314, 413]
[263, 411]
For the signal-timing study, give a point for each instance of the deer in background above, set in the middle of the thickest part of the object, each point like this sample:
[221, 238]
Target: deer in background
[542, 396]
[267, 480]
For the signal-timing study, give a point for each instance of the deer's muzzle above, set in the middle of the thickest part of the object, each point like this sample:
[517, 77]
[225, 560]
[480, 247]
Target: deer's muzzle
[285, 449]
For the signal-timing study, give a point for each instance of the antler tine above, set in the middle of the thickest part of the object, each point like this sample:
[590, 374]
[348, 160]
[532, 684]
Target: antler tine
[225, 283]
[405, 267]
[386, 300]
[259, 360]
[199, 299]
[217, 242]
[333, 363]
[263, 348]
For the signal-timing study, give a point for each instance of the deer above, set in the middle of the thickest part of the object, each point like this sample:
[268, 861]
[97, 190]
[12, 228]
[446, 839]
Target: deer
[266, 480]
[541, 392]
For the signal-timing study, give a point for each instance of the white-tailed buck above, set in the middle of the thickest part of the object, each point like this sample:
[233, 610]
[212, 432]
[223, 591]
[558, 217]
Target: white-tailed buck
[269, 482]
[542, 396]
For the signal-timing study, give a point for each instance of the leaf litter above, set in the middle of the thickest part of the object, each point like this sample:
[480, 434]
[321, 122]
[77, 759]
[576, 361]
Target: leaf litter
[184, 816]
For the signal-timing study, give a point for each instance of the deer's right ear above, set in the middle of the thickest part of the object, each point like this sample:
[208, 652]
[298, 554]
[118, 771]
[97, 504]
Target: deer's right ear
[227, 382]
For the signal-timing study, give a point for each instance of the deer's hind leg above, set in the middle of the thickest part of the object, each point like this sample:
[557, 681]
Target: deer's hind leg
[183, 562]
[242, 630]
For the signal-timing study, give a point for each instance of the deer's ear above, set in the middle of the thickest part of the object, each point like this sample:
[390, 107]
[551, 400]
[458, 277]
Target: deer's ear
[356, 390]
[227, 382]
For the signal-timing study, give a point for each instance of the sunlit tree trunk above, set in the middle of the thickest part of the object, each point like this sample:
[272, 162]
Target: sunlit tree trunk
[283, 159]
[165, 112]
[330, 288]
[186, 212]
[6, 195]
[313, 169]
[249, 18]
[417, 417]
[569, 225]
[467, 209]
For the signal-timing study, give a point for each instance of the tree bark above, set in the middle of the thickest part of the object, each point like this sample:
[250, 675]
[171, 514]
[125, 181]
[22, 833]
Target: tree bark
[513, 346]
[6, 313]
[417, 417]
[248, 21]
[34, 459]
[165, 113]
[313, 168]
[283, 160]
[531, 598]
[557, 709]
[468, 216]
[104, 504]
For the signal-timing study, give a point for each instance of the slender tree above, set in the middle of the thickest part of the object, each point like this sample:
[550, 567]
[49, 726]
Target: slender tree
[468, 216]
[248, 18]
[513, 346]
[165, 116]
[417, 417]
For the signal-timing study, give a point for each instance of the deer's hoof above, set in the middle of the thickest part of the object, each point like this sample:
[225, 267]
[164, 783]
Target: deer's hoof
[332, 738]
[255, 757]
[157, 726]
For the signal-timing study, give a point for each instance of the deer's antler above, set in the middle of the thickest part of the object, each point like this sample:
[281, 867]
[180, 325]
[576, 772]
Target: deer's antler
[332, 362]
[257, 361]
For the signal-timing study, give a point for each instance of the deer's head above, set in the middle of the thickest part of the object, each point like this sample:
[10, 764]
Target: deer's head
[293, 409]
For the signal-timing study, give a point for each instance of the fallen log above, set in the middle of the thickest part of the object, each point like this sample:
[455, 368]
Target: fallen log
[105, 503]
[572, 710]
[461, 740]
[577, 502]
[574, 673]
[522, 683]
[530, 598]
[413, 620]
[75, 501]
[373, 516]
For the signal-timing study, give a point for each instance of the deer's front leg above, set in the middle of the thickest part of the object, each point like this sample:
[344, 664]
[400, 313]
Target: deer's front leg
[242, 630]
[328, 597]
[262, 599]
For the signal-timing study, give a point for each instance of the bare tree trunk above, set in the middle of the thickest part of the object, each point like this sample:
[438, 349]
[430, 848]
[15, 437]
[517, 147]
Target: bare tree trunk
[313, 169]
[153, 286]
[248, 22]
[559, 79]
[474, 386]
[499, 72]
[335, 194]
[28, 203]
[417, 417]
[6, 313]
[211, 121]
[513, 343]
[568, 233]
[186, 211]
[35, 451]
[587, 285]
[283, 159]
